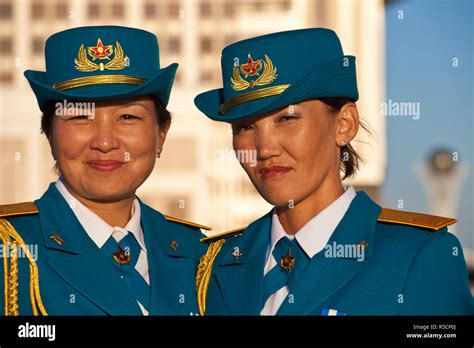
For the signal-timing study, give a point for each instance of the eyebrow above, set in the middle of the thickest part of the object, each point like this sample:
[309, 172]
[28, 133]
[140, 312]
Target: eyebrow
[133, 103]
[288, 113]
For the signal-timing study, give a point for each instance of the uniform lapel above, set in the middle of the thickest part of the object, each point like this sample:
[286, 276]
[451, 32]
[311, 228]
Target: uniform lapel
[171, 267]
[78, 260]
[326, 274]
[241, 278]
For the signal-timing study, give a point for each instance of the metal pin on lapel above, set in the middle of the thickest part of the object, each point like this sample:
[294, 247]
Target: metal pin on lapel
[287, 262]
[174, 245]
[236, 253]
[121, 256]
[57, 239]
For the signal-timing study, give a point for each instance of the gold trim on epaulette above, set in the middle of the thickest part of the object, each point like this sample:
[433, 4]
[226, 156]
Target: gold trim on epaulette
[203, 274]
[430, 222]
[12, 240]
[223, 234]
[24, 208]
[170, 218]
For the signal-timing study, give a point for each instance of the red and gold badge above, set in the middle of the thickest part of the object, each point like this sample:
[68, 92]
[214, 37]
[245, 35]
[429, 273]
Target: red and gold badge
[250, 69]
[100, 51]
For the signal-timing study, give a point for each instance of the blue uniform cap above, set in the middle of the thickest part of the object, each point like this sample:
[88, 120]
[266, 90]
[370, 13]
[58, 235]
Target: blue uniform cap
[272, 71]
[101, 62]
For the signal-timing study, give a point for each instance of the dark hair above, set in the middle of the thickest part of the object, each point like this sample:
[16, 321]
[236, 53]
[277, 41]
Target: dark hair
[349, 159]
[162, 114]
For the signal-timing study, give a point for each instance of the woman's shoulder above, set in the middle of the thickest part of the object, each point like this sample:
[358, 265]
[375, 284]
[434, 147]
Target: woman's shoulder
[24, 212]
[412, 225]
[261, 223]
[236, 232]
[20, 222]
[186, 223]
[175, 226]
[18, 209]
[421, 221]
[416, 234]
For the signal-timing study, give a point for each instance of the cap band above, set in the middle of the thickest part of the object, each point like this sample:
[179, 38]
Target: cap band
[98, 79]
[245, 97]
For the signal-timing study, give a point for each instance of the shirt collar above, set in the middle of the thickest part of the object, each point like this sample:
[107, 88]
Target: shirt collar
[315, 234]
[97, 229]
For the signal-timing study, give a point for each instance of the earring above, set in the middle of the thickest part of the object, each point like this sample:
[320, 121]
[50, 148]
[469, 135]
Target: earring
[158, 154]
[343, 143]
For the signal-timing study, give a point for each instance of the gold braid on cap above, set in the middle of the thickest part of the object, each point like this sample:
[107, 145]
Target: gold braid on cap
[98, 79]
[12, 240]
[204, 272]
[252, 95]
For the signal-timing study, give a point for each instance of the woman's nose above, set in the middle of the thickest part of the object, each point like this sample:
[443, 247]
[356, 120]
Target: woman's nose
[266, 144]
[105, 137]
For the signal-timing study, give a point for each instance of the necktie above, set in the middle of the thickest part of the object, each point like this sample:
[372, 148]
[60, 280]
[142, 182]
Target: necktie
[131, 277]
[291, 261]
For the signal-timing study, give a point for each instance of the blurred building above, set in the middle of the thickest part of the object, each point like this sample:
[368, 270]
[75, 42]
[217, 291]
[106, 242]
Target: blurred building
[196, 178]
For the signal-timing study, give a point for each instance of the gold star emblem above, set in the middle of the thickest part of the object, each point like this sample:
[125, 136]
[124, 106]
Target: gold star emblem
[174, 245]
[287, 262]
[100, 51]
[251, 68]
[120, 256]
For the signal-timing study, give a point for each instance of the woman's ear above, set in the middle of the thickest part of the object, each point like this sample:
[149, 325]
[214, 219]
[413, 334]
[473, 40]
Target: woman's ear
[347, 124]
[162, 132]
[51, 146]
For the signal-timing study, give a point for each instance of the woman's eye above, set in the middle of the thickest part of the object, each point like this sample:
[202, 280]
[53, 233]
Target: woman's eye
[79, 117]
[286, 118]
[242, 128]
[128, 117]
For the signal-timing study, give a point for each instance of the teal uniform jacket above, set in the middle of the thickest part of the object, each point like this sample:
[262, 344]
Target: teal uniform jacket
[406, 270]
[76, 279]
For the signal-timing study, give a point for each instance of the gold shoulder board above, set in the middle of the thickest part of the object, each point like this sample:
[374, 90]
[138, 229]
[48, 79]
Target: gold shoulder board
[188, 223]
[429, 222]
[222, 235]
[24, 208]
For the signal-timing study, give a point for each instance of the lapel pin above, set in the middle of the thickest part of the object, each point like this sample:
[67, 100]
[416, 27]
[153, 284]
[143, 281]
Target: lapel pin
[363, 244]
[236, 253]
[174, 245]
[120, 256]
[57, 239]
[287, 262]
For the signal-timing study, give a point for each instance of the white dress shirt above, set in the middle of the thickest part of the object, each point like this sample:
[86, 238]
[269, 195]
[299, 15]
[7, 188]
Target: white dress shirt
[100, 231]
[312, 238]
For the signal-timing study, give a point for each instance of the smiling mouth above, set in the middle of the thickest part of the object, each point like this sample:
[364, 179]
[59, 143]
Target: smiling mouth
[105, 165]
[273, 172]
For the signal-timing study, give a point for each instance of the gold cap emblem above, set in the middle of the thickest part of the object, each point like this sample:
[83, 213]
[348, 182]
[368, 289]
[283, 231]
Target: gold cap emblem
[101, 52]
[253, 68]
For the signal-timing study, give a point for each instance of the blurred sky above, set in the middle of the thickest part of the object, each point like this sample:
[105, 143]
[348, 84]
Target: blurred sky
[419, 54]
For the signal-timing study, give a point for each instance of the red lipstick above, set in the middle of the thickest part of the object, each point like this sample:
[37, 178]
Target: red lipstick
[273, 171]
[105, 165]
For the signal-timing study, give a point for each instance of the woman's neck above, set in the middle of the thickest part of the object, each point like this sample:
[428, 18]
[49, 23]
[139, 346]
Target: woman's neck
[294, 218]
[115, 213]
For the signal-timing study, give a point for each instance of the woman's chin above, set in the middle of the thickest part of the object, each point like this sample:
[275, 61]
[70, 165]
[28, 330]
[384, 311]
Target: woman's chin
[279, 199]
[107, 192]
